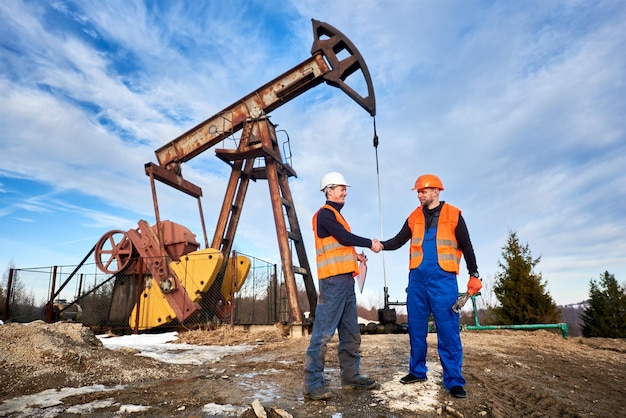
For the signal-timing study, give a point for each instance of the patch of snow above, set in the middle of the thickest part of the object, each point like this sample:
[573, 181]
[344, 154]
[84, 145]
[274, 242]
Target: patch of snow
[29, 405]
[416, 397]
[214, 409]
[86, 408]
[157, 346]
[130, 409]
[265, 390]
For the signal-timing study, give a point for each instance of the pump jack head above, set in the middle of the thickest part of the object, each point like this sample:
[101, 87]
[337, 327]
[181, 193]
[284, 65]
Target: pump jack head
[330, 42]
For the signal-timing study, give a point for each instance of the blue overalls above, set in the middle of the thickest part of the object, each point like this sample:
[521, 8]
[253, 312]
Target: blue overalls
[432, 289]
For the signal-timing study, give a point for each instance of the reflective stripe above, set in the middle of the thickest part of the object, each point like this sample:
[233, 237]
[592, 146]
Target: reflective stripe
[447, 243]
[328, 247]
[416, 253]
[333, 260]
[449, 257]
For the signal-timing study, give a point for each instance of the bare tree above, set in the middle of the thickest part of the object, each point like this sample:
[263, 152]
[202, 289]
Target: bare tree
[21, 302]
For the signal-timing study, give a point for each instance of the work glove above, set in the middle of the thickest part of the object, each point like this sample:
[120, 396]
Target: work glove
[474, 285]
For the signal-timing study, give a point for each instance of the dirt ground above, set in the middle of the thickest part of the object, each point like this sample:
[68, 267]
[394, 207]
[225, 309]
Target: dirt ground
[508, 373]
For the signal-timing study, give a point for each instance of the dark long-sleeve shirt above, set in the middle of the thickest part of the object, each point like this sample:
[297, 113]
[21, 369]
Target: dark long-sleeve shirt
[327, 225]
[431, 216]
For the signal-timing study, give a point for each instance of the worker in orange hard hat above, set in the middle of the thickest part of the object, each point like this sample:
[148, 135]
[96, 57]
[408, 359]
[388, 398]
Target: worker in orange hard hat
[337, 265]
[439, 238]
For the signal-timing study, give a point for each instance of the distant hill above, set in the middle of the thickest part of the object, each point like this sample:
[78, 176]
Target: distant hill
[570, 314]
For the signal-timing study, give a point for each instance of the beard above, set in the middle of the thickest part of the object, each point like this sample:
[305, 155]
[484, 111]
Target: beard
[426, 201]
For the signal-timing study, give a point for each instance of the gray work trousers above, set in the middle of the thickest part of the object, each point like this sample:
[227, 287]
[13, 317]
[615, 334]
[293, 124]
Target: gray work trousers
[336, 310]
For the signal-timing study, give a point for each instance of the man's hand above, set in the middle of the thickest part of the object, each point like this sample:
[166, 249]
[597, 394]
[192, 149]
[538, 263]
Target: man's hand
[376, 246]
[361, 257]
[474, 285]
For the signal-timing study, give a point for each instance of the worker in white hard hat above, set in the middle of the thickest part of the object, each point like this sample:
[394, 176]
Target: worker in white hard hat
[337, 265]
[439, 237]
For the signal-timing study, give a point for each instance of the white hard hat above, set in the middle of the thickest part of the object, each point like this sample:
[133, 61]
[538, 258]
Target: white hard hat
[332, 179]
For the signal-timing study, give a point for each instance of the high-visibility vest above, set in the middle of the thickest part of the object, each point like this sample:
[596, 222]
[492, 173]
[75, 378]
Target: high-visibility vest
[333, 258]
[448, 252]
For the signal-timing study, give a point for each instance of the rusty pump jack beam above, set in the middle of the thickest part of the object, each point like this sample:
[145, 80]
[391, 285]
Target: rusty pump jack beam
[258, 141]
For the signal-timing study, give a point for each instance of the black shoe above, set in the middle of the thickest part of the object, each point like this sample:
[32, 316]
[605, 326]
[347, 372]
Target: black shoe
[410, 378]
[319, 394]
[458, 392]
[363, 383]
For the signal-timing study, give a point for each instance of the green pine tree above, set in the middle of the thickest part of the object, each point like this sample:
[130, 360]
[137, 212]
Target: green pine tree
[606, 314]
[522, 292]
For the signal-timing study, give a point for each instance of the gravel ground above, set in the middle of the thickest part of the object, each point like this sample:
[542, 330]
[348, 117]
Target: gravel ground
[508, 373]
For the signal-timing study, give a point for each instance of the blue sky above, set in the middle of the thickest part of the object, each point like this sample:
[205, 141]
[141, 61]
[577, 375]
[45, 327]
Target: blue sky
[518, 107]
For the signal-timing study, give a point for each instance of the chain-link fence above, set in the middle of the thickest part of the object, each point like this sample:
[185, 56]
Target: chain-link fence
[145, 294]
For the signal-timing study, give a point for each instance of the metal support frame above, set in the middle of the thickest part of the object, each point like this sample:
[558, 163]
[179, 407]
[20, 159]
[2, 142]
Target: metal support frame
[258, 143]
[156, 172]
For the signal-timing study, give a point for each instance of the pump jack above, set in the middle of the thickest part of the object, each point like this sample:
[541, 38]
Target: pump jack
[172, 275]
[258, 142]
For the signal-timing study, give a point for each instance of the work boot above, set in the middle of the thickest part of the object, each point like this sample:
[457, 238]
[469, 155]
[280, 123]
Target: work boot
[318, 394]
[411, 378]
[458, 392]
[362, 383]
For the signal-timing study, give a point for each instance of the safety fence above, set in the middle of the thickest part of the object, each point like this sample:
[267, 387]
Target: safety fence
[200, 288]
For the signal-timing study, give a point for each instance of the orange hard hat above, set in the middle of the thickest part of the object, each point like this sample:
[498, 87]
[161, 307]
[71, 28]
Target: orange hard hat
[428, 180]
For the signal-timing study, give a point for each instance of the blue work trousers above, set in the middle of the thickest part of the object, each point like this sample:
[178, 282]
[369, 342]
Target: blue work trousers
[432, 289]
[336, 310]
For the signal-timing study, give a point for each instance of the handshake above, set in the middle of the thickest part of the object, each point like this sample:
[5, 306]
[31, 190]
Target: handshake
[376, 246]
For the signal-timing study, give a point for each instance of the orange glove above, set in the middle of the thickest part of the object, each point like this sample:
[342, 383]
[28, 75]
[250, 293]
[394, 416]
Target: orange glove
[474, 285]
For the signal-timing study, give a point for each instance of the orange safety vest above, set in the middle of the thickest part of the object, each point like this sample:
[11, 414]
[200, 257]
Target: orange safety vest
[332, 257]
[448, 252]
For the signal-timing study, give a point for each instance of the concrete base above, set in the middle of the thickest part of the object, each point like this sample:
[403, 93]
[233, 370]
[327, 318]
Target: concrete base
[256, 327]
[298, 331]
[295, 330]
